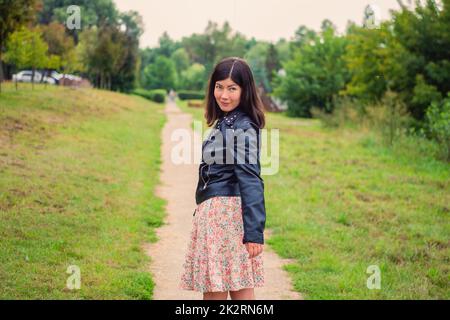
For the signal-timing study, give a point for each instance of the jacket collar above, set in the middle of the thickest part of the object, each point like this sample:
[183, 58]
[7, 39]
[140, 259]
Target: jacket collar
[231, 116]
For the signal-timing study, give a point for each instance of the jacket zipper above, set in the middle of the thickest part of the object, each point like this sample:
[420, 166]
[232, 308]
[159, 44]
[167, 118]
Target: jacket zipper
[207, 175]
[205, 183]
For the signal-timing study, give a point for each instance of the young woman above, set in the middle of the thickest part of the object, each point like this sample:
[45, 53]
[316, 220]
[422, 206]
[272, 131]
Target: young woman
[227, 238]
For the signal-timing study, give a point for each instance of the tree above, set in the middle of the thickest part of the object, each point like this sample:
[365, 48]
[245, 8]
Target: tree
[166, 45]
[409, 55]
[424, 34]
[160, 75]
[13, 14]
[59, 45]
[257, 59]
[127, 71]
[110, 53]
[180, 59]
[272, 62]
[303, 36]
[16, 54]
[193, 78]
[26, 48]
[94, 13]
[214, 44]
[316, 73]
[369, 60]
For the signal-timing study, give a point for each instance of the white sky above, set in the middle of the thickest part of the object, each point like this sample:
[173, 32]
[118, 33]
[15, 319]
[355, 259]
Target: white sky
[264, 19]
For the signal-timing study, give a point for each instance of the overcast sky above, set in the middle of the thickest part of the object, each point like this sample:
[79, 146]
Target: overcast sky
[263, 19]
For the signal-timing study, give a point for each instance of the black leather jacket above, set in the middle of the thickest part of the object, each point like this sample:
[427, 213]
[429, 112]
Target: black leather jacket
[220, 177]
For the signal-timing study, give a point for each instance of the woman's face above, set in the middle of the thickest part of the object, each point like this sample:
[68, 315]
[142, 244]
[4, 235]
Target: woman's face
[227, 94]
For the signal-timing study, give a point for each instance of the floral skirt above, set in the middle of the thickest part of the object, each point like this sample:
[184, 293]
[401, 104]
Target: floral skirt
[216, 259]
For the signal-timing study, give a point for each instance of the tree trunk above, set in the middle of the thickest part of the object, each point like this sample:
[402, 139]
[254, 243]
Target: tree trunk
[1, 67]
[45, 76]
[32, 78]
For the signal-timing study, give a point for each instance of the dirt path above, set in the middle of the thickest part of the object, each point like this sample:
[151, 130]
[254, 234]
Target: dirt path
[178, 188]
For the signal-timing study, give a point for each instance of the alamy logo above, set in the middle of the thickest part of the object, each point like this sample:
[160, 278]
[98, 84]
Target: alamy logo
[74, 280]
[374, 280]
[74, 19]
[372, 15]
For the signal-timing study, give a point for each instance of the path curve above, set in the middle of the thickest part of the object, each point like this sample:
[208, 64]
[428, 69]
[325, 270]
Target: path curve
[168, 253]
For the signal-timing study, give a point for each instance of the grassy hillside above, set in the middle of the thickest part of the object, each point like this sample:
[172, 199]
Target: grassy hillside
[342, 202]
[78, 171]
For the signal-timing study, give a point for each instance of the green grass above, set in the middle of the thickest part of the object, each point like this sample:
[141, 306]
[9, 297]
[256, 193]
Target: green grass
[342, 202]
[78, 172]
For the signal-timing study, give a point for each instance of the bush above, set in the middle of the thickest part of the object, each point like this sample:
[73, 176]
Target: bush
[438, 122]
[390, 117]
[191, 95]
[157, 95]
[346, 112]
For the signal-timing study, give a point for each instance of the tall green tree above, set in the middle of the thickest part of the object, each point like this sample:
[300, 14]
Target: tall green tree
[60, 45]
[424, 33]
[160, 75]
[371, 59]
[27, 49]
[181, 60]
[257, 59]
[110, 53]
[272, 62]
[214, 44]
[13, 14]
[409, 54]
[127, 71]
[316, 73]
[93, 13]
[193, 78]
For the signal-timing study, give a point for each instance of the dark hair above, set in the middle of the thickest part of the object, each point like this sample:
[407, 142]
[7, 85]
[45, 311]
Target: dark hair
[239, 71]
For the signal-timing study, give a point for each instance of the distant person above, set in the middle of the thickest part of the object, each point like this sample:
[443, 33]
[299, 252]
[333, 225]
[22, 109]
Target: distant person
[172, 95]
[227, 237]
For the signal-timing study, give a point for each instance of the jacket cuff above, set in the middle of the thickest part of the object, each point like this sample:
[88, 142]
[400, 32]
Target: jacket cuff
[255, 237]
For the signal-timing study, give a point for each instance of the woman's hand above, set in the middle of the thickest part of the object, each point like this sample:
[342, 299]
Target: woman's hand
[254, 249]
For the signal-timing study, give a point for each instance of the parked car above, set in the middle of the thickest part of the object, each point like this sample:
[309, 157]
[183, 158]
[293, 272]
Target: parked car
[26, 76]
[54, 75]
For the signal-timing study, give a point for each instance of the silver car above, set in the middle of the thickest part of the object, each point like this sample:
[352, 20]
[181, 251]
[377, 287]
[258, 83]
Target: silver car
[26, 76]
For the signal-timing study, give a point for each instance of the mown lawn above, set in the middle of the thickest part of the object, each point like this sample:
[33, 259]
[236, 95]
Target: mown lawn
[78, 168]
[342, 202]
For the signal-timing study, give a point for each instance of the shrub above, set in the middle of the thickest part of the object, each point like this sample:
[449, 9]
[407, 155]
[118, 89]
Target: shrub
[346, 112]
[157, 95]
[390, 117]
[438, 122]
[191, 95]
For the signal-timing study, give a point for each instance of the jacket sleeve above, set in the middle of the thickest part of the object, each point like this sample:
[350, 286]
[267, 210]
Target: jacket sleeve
[251, 185]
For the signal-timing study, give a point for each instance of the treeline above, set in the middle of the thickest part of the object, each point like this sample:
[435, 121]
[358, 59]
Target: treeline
[409, 55]
[103, 47]
[186, 64]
